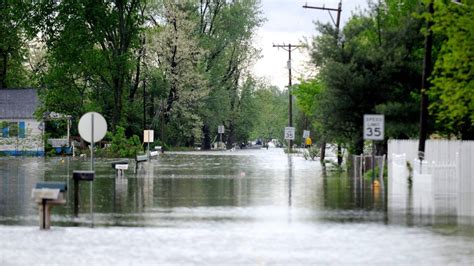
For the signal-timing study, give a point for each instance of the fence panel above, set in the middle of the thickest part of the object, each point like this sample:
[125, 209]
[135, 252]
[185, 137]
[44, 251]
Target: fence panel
[446, 174]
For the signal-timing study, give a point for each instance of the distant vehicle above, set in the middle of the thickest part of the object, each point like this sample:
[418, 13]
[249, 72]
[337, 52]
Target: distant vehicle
[257, 144]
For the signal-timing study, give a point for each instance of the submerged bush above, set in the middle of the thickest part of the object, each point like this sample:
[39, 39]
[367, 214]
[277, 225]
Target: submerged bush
[312, 152]
[123, 147]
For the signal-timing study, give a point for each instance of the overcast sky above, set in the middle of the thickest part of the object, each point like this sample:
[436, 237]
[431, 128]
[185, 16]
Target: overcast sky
[288, 22]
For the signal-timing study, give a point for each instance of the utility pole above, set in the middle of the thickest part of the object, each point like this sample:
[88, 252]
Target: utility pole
[338, 10]
[427, 67]
[289, 48]
[337, 23]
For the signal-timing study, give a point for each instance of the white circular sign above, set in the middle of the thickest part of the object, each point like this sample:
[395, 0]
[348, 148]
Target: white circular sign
[92, 120]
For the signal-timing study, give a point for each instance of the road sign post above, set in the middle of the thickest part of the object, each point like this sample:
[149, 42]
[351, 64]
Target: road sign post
[306, 134]
[289, 135]
[148, 136]
[374, 129]
[92, 128]
[220, 131]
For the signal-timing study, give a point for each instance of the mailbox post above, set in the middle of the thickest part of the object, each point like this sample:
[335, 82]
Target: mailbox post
[140, 159]
[120, 166]
[80, 176]
[47, 195]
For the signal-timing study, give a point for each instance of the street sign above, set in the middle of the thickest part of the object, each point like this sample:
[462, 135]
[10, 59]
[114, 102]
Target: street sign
[374, 127]
[148, 136]
[289, 133]
[220, 129]
[92, 120]
[306, 133]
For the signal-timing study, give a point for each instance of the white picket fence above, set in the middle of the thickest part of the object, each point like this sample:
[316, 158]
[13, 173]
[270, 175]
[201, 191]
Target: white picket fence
[442, 182]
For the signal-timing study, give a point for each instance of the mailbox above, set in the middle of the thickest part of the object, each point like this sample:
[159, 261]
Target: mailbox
[46, 195]
[123, 162]
[83, 175]
[141, 158]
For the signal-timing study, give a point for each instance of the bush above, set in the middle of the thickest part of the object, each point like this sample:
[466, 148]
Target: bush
[312, 152]
[123, 147]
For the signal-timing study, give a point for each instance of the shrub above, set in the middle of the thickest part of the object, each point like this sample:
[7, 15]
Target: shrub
[122, 146]
[312, 152]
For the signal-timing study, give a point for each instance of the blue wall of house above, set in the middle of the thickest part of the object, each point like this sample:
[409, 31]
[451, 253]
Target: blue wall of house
[22, 153]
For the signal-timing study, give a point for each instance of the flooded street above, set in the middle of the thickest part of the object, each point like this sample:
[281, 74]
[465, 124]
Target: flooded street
[240, 207]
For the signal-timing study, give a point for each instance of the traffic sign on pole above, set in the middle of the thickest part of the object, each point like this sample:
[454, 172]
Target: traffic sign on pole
[374, 127]
[289, 133]
[220, 129]
[92, 126]
[306, 133]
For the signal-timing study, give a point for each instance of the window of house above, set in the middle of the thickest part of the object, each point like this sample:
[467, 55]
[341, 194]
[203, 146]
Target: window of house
[13, 129]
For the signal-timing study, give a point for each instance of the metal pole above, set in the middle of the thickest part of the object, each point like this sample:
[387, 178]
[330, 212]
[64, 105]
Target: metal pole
[290, 99]
[373, 161]
[92, 168]
[68, 132]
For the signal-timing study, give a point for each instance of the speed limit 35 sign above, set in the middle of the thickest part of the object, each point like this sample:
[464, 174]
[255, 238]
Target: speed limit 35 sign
[374, 127]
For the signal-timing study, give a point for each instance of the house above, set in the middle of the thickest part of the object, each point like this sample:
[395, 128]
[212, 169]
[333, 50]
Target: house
[21, 133]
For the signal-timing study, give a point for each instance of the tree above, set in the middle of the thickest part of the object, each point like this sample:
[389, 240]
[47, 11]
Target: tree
[453, 75]
[90, 51]
[174, 48]
[15, 31]
[226, 30]
[373, 67]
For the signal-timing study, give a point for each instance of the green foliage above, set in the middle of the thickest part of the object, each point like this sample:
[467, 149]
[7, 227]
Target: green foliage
[369, 173]
[122, 146]
[453, 76]
[271, 114]
[312, 152]
[374, 68]
[15, 31]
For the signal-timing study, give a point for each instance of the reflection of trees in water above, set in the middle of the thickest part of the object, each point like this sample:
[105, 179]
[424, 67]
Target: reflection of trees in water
[18, 177]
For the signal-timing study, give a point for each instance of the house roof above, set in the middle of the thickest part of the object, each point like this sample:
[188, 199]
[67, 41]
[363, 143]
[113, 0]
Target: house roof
[18, 103]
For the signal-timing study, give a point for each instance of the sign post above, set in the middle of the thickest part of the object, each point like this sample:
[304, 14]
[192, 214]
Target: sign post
[374, 126]
[148, 136]
[306, 134]
[289, 135]
[92, 128]
[220, 131]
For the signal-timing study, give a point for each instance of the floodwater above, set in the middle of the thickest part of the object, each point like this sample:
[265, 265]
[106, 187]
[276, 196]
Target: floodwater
[240, 207]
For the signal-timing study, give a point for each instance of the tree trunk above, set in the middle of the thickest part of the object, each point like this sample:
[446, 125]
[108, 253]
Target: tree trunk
[206, 141]
[339, 154]
[116, 116]
[231, 136]
[323, 151]
[3, 77]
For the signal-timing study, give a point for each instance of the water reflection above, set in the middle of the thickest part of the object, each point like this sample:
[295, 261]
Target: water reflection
[149, 195]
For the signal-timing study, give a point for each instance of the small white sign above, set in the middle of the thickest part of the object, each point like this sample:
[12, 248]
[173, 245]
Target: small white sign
[374, 127]
[121, 166]
[153, 153]
[148, 136]
[289, 133]
[220, 129]
[306, 133]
